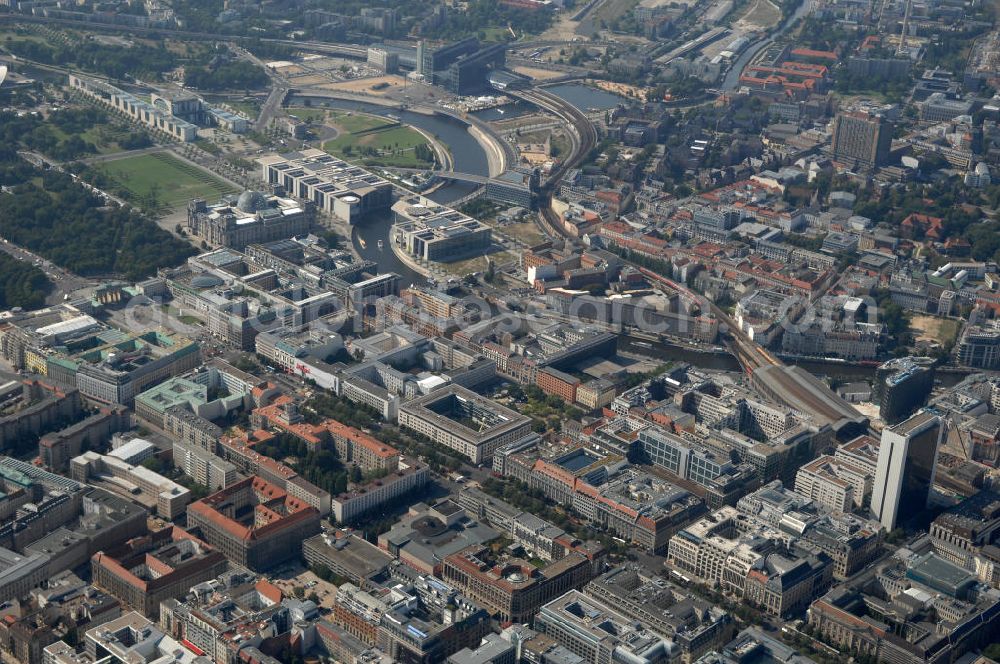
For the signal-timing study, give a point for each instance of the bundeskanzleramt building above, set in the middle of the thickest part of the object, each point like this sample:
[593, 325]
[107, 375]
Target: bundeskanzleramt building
[134, 108]
[346, 191]
[255, 523]
[464, 421]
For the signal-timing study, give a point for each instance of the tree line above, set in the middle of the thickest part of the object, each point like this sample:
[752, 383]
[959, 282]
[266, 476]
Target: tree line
[112, 61]
[481, 14]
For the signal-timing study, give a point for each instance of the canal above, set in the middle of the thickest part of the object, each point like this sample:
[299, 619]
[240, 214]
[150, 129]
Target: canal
[732, 80]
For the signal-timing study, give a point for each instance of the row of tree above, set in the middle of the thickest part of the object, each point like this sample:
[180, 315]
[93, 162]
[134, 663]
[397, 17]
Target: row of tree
[483, 14]
[114, 61]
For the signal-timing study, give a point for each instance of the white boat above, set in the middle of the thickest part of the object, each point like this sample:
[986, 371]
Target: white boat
[501, 111]
[380, 245]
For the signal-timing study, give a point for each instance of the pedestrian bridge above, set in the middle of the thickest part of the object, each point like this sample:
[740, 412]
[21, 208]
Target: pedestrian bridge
[447, 175]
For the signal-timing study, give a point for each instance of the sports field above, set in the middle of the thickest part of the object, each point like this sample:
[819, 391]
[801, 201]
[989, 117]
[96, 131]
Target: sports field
[160, 182]
[376, 142]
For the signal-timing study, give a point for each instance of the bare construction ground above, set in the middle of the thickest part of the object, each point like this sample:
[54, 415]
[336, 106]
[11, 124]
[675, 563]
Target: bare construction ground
[380, 85]
[761, 14]
[538, 74]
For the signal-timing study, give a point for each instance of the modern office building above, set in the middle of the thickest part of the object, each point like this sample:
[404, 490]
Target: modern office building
[432, 62]
[107, 365]
[203, 467]
[470, 72]
[464, 421]
[34, 406]
[835, 484]
[862, 138]
[255, 523]
[597, 634]
[755, 646]
[133, 639]
[690, 460]
[19, 574]
[902, 385]
[192, 392]
[907, 461]
[346, 191]
[347, 555]
[351, 505]
[188, 428]
[493, 650]
[432, 232]
[515, 186]
[979, 345]
[948, 614]
[694, 625]
[154, 490]
[427, 534]
[57, 448]
[117, 373]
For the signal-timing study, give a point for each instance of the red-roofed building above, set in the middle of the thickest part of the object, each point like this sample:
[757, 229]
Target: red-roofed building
[352, 445]
[255, 523]
[358, 447]
[161, 565]
[917, 223]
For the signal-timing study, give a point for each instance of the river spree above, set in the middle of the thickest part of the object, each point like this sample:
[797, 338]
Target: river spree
[468, 157]
[585, 97]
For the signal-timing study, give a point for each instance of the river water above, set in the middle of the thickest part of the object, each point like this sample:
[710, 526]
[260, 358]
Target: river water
[723, 361]
[468, 157]
[506, 112]
[732, 80]
[585, 97]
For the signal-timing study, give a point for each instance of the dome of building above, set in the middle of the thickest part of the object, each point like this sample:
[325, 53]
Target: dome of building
[251, 201]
